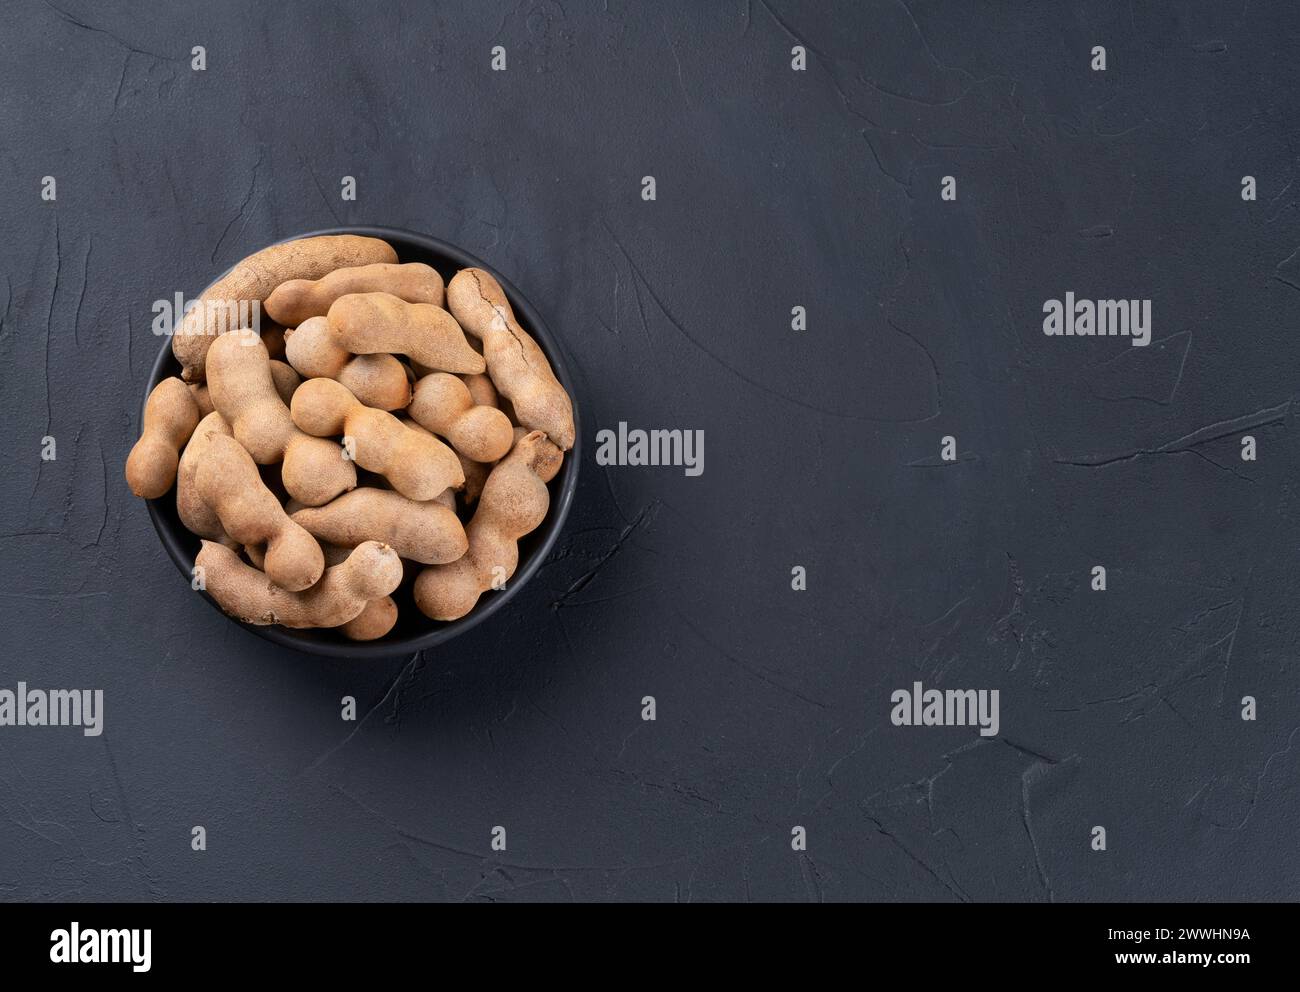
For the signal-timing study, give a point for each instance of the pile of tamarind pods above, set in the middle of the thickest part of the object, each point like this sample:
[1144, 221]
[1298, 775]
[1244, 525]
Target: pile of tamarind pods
[384, 423]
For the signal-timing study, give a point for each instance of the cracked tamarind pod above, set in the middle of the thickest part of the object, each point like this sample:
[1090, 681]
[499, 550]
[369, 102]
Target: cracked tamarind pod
[418, 466]
[371, 572]
[282, 374]
[170, 416]
[253, 280]
[442, 403]
[517, 365]
[369, 323]
[229, 483]
[301, 299]
[377, 380]
[514, 503]
[426, 532]
[242, 388]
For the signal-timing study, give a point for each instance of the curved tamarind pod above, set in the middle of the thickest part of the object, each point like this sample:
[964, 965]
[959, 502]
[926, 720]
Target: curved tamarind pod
[282, 374]
[418, 466]
[366, 323]
[191, 507]
[517, 365]
[427, 532]
[514, 503]
[371, 572]
[252, 281]
[242, 387]
[301, 299]
[242, 390]
[229, 483]
[378, 380]
[170, 416]
[442, 403]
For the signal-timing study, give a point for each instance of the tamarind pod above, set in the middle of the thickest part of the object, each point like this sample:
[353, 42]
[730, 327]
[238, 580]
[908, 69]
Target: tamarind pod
[443, 403]
[241, 383]
[373, 622]
[252, 281]
[298, 300]
[514, 502]
[366, 323]
[195, 514]
[427, 532]
[377, 380]
[370, 572]
[170, 416]
[516, 363]
[229, 483]
[418, 466]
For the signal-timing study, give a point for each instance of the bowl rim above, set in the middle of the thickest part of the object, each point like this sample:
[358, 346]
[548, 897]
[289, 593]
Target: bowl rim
[563, 487]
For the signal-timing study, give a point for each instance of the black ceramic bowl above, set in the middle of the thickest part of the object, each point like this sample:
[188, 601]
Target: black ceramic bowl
[414, 631]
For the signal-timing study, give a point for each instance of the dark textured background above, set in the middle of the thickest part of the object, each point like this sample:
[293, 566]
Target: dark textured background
[775, 188]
